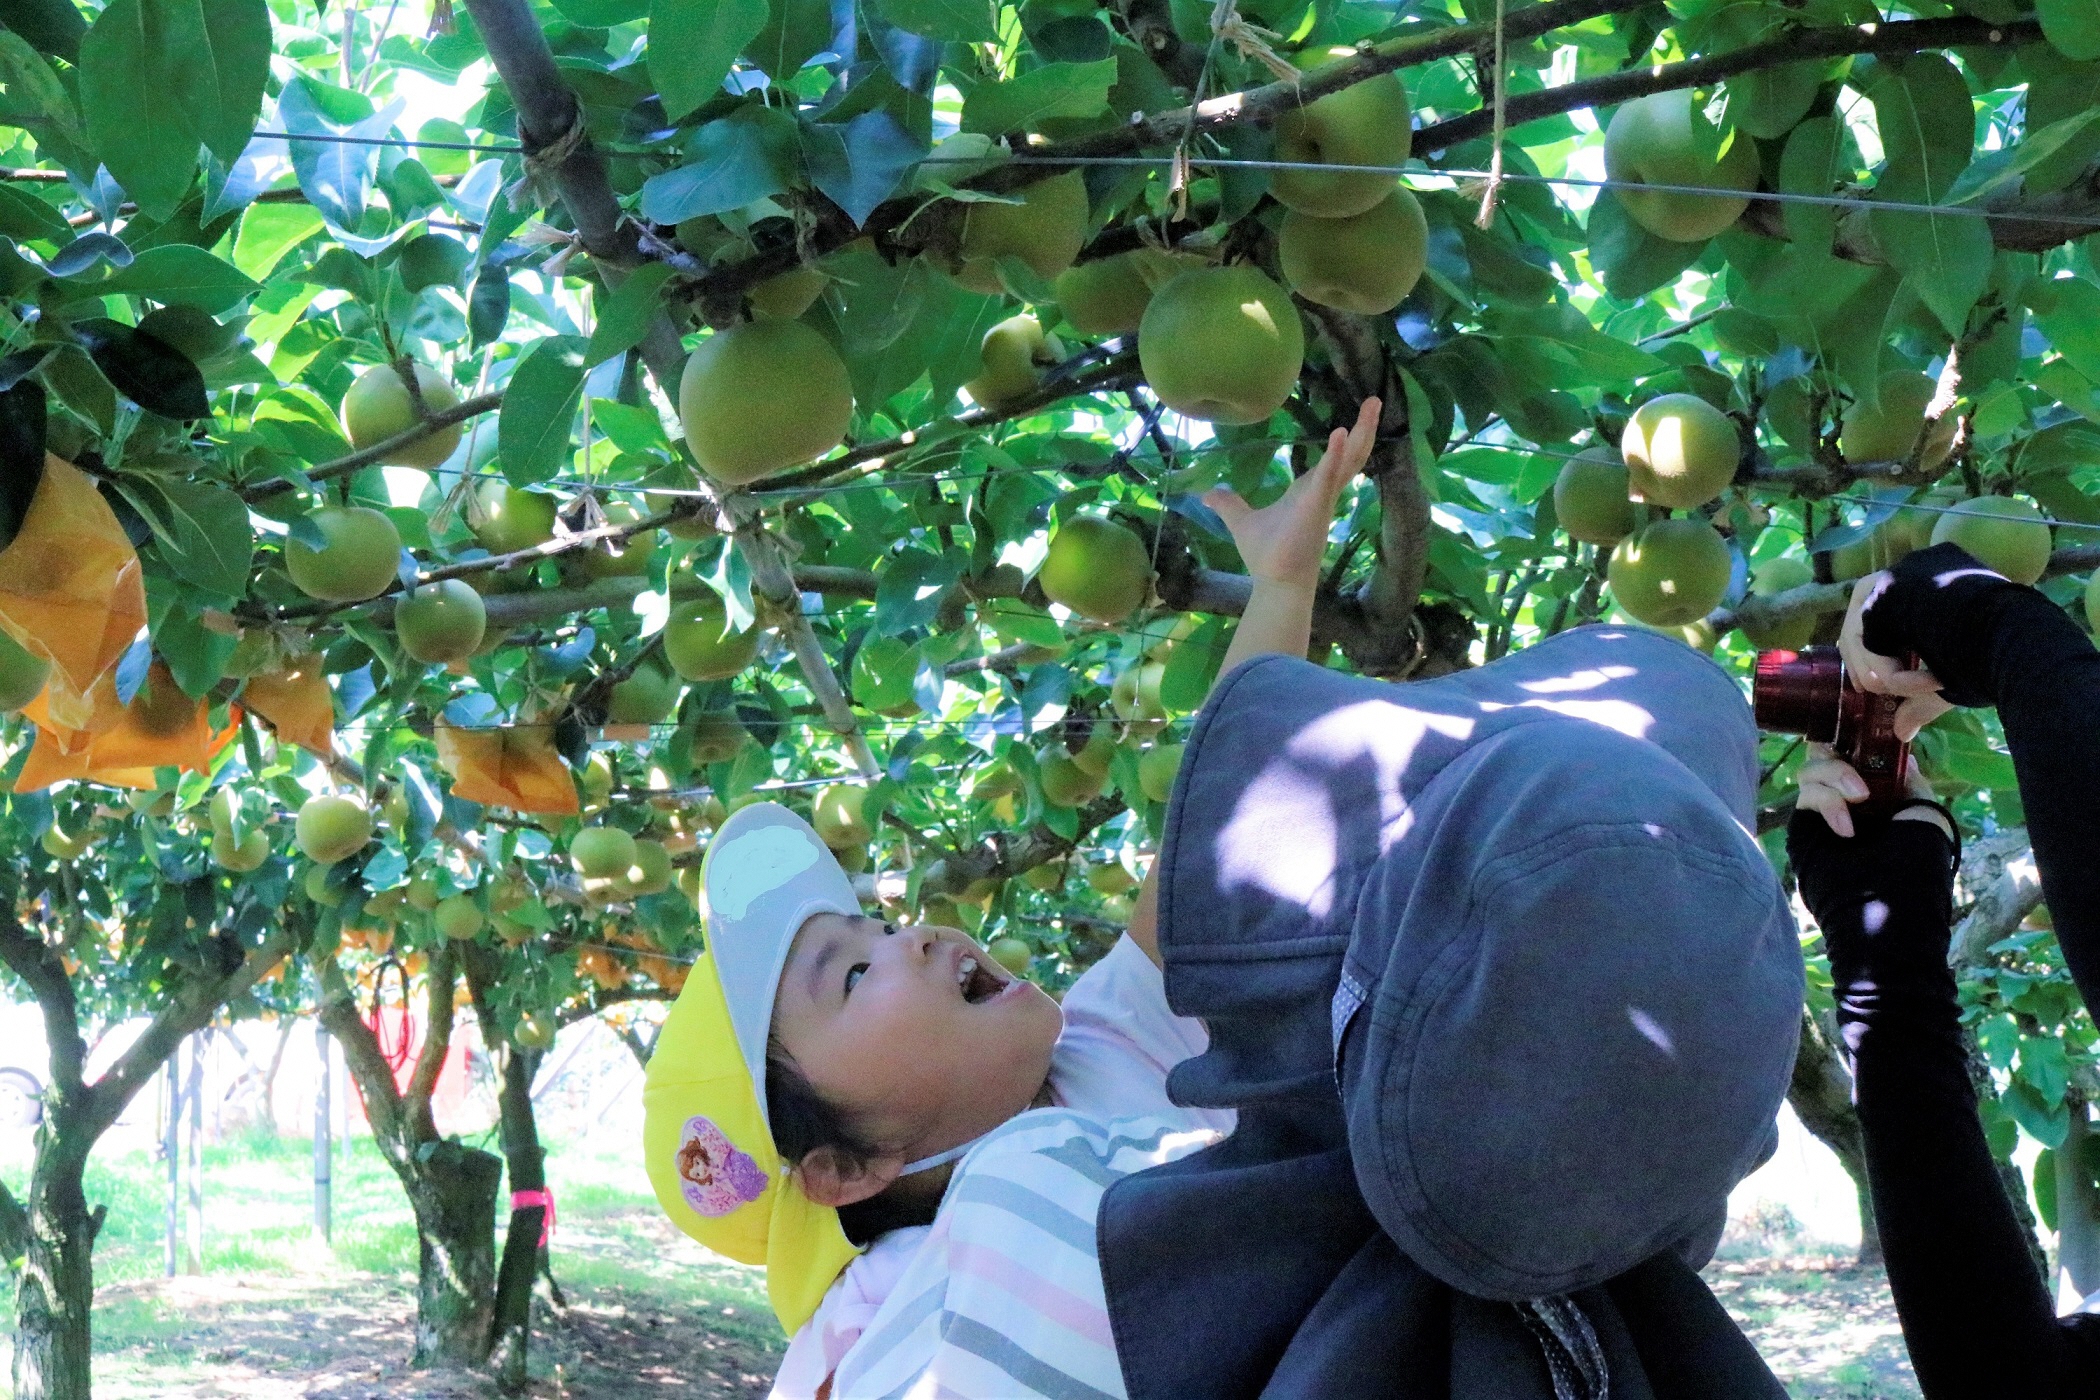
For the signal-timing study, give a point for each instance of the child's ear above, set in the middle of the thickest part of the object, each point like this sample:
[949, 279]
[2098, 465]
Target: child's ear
[830, 1179]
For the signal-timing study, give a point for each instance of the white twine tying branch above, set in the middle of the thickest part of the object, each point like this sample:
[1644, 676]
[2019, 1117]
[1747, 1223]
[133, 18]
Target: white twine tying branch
[1251, 40]
[1485, 219]
[537, 183]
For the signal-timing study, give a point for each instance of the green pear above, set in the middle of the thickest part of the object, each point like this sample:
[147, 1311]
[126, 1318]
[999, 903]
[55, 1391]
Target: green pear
[1680, 451]
[1097, 568]
[1773, 577]
[1886, 430]
[1590, 497]
[1222, 344]
[1367, 123]
[2005, 532]
[1664, 139]
[1671, 574]
[1045, 230]
[1365, 264]
[762, 397]
[1010, 353]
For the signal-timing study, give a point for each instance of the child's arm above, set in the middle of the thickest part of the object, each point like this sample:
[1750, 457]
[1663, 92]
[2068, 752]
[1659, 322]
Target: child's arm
[1282, 544]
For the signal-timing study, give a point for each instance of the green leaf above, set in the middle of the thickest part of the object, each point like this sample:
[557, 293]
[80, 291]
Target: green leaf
[693, 43]
[795, 32]
[145, 66]
[909, 593]
[734, 161]
[1995, 170]
[539, 409]
[963, 21]
[296, 421]
[1928, 126]
[336, 175]
[25, 217]
[202, 530]
[2073, 324]
[2063, 383]
[2059, 90]
[268, 232]
[859, 164]
[2044, 1065]
[32, 97]
[241, 44]
[52, 26]
[602, 14]
[1927, 123]
[1053, 90]
[2072, 27]
[196, 655]
[1193, 665]
[624, 316]
[433, 260]
[1633, 261]
[2047, 1125]
[180, 274]
[2045, 1202]
[1946, 259]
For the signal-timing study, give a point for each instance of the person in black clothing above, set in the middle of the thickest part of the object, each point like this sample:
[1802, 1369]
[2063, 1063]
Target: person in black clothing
[1977, 1318]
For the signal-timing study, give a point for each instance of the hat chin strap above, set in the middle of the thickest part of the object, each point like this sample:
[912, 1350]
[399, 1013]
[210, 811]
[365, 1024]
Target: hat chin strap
[940, 1159]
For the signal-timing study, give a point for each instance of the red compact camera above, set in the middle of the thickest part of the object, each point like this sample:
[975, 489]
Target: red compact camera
[1808, 693]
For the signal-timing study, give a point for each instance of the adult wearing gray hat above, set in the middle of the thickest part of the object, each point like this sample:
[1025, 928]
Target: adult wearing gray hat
[1506, 996]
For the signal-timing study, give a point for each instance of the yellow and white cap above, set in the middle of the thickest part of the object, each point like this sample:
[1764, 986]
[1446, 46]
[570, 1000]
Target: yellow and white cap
[705, 1135]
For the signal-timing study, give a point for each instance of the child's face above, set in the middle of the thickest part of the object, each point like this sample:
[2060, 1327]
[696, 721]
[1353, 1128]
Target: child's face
[887, 1023]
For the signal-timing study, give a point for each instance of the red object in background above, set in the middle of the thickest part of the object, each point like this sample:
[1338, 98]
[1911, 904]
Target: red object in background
[402, 1030]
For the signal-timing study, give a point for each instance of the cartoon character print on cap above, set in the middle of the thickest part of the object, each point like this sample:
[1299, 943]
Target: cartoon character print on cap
[715, 1175]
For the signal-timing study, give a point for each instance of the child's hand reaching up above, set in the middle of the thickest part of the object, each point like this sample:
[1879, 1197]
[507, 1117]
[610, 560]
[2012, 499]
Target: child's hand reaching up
[1284, 540]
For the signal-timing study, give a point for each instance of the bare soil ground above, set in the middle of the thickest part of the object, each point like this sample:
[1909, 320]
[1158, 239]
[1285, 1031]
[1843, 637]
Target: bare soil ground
[290, 1339]
[1827, 1328]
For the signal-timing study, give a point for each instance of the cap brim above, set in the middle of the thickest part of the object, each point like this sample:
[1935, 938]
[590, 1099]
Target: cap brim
[766, 873]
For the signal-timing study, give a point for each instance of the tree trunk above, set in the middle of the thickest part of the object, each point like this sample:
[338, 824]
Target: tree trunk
[2077, 1212]
[56, 1289]
[1822, 1098]
[454, 1195]
[510, 1333]
[451, 1187]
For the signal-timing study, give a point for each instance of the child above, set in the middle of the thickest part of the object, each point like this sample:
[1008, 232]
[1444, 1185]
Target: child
[823, 1072]
[1498, 998]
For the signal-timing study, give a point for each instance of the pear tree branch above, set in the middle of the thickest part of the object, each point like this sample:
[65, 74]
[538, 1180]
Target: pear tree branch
[1159, 130]
[379, 451]
[1899, 36]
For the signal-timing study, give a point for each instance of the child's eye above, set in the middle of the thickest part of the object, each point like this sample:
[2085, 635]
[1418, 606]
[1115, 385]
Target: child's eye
[853, 975]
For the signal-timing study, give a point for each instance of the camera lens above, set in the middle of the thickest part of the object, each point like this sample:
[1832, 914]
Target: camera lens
[1800, 692]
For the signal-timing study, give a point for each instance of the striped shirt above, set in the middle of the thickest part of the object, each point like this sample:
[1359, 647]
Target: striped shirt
[1001, 1297]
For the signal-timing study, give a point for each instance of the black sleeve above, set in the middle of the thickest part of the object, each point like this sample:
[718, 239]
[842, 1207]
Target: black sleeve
[1976, 1316]
[1992, 642]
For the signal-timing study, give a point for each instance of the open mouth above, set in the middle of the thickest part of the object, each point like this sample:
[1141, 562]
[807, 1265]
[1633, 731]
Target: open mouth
[977, 979]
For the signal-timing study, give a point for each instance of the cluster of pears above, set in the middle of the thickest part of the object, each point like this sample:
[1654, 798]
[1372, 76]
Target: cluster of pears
[615, 865]
[1680, 452]
[346, 554]
[238, 841]
[1352, 240]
